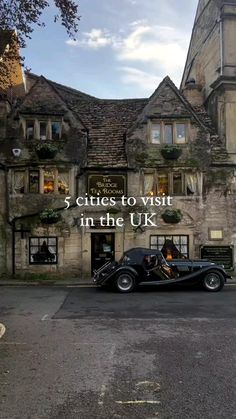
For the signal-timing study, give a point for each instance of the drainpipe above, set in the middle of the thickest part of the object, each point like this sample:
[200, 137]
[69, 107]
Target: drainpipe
[221, 47]
[13, 247]
[5, 169]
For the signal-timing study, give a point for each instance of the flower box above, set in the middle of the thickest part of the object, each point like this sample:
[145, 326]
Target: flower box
[49, 216]
[46, 151]
[172, 216]
[171, 152]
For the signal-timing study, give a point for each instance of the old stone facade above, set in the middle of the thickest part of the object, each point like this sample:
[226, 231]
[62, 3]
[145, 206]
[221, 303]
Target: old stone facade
[211, 62]
[58, 144]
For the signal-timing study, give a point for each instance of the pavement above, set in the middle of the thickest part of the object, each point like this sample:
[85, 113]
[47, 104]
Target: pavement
[62, 282]
[51, 282]
[89, 353]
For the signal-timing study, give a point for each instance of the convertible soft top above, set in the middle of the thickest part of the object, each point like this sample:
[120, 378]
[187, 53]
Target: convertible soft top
[137, 253]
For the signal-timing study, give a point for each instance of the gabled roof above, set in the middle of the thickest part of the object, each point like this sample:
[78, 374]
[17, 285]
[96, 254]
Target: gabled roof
[167, 102]
[107, 120]
[42, 99]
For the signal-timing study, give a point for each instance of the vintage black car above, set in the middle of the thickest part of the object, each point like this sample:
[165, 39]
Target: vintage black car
[139, 266]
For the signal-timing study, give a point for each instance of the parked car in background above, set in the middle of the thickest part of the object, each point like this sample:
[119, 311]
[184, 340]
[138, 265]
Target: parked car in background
[140, 266]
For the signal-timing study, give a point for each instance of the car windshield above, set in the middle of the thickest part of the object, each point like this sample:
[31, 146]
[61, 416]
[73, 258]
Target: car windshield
[124, 258]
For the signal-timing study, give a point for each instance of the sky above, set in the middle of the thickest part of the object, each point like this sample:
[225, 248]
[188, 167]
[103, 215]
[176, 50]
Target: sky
[123, 49]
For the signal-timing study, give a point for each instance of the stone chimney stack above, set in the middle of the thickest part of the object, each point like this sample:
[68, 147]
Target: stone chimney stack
[12, 81]
[4, 111]
[193, 93]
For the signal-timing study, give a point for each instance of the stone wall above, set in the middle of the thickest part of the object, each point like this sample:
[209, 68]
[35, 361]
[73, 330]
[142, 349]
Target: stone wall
[3, 224]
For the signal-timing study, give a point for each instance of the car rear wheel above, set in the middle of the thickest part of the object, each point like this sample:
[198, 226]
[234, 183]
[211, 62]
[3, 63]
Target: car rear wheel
[213, 281]
[125, 282]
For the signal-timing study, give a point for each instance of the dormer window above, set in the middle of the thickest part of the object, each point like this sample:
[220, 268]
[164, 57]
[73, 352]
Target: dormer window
[30, 129]
[168, 133]
[156, 134]
[56, 130]
[44, 129]
[180, 133]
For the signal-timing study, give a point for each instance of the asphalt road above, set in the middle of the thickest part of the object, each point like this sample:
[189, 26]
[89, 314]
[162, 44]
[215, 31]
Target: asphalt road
[84, 353]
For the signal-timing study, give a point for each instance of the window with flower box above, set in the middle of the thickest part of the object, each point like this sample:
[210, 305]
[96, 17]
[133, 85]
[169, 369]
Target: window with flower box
[42, 129]
[168, 133]
[44, 180]
[174, 183]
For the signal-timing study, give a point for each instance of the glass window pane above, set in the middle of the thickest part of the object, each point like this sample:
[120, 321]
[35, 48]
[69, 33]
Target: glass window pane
[43, 252]
[184, 239]
[156, 133]
[29, 130]
[52, 241]
[34, 181]
[34, 241]
[56, 130]
[49, 181]
[149, 185]
[19, 182]
[63, 182]
[161, 239]
[184, 250]
[180, 133]
[153, 240]
[168, 139]
[162, 184]
[172, 247]
[43, 130]
[177, 184]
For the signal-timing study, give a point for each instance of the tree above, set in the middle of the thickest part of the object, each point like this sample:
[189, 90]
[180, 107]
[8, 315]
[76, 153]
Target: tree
[19, 17]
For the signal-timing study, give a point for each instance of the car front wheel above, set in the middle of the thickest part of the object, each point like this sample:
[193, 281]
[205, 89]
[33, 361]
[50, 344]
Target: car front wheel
[213, 281]
[125, 282]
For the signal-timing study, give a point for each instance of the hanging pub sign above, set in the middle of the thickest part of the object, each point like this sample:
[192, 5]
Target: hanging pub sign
[222, 255]
[106, 185]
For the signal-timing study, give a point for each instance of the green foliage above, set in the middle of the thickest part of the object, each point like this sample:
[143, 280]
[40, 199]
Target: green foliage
[24, 17]
[191, 162]
[172, 216]
[171, 152]
[46, 147]
[46, 150]
[49, 216]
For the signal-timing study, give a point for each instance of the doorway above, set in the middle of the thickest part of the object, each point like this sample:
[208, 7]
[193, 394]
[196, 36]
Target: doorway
[102, 249]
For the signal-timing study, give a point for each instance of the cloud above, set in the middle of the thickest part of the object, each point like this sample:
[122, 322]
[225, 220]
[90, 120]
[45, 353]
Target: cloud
[95, 39]
[144, 80]
[162, 49]
[159, 45]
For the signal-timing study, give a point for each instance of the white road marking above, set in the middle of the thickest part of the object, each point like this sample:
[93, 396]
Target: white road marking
[2, 330]
[45, 317]
[138, 402]
[102, 394]
[13, 343]
[78, 286]
[104, 385]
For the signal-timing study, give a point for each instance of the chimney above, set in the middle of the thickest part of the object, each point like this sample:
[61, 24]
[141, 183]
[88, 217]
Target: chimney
[12, 80]
[193, 93]
[4, 111]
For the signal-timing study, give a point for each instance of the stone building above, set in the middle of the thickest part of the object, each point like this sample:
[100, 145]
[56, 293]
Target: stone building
[59, 147]
[211, 63]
